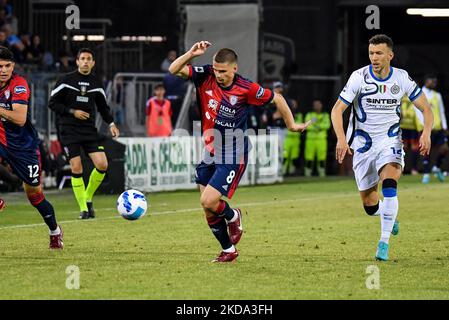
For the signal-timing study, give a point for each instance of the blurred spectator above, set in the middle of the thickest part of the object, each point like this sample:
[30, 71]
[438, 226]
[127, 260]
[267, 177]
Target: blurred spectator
[175, 90]
[194, 115]
[3, 41]
[159, 114]
[34, 52]
[118, 101]
[171, 56]
[3, 19]
[292, 145]
[274, 119]
[410, 134]
[7, 7]
[10, 35]
[64, 63]
[316, 139]
[15, 44]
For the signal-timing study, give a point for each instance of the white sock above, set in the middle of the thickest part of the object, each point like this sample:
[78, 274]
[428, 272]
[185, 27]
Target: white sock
[55, 232]
[388, 216]
[231, 249]
[378, 210]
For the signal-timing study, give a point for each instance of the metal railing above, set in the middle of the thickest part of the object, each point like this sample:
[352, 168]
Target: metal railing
[128, 97]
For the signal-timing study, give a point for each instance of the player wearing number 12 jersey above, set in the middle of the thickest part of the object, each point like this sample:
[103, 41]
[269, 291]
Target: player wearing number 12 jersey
[223, 97]
[19, 142]
[375, 93]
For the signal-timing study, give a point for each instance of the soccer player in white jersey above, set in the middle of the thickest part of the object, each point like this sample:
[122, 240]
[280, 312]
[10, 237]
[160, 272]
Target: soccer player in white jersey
[374, 93]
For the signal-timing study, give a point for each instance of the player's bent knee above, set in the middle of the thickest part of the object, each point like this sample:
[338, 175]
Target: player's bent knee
[208, 203]
[102, 167]
[371, 210]
[77, 169]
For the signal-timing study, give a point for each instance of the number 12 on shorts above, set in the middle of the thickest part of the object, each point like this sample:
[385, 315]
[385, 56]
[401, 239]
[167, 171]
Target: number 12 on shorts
[34, 171]
[396, 151]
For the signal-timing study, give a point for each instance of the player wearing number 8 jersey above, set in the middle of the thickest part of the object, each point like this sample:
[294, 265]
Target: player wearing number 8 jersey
[224, 96]
[19, 142]
[374, 135]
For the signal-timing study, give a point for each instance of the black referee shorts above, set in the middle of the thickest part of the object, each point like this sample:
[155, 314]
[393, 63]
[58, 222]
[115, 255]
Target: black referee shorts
[73, 139]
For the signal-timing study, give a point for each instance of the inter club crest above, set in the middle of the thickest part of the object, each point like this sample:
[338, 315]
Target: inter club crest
[395, 89]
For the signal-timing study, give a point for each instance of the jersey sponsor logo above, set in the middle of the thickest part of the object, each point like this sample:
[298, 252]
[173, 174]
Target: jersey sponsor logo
[86, 84]
[227, 112]
[82, 99]
[233, 100]
[208, 116]
[395, 89]
[20, 90]
[225, 124]
[382, 101]
[199, 69]
[260, 93]
[382, 88]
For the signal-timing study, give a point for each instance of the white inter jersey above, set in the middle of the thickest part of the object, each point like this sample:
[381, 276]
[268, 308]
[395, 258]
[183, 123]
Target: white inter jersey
[376, 102]
[374, 131]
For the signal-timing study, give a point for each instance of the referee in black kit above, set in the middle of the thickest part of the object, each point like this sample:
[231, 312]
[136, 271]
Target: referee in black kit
[73, 100]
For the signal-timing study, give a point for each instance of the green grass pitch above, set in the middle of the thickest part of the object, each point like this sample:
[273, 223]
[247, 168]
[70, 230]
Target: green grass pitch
[306, 239]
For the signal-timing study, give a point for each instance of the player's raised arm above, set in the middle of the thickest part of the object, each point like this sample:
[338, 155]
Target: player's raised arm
[424, 142]
[287, 115]
[337, 122]
[179, 66]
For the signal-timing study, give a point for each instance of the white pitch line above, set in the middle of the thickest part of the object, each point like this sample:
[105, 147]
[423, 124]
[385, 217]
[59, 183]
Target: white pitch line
[248, 204]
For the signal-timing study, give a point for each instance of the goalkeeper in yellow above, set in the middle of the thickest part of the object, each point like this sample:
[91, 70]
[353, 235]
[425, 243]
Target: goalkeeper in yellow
[316, 139]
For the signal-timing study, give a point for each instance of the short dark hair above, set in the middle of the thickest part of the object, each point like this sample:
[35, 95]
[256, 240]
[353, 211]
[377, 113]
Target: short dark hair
[85, 50]
[159, 86]
[382, 38]
[6, 54]
[226, 55]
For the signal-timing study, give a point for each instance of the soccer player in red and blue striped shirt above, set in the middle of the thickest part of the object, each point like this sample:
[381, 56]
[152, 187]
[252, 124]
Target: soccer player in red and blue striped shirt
[19, 142]
[224, 97]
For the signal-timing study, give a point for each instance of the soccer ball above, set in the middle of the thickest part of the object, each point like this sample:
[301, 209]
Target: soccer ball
[132, 205]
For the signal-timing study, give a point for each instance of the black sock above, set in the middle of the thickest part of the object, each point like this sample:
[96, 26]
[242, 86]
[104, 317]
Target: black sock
[48, 213]
[220, 230]
[415, 156]
[426, 164]
[225, 211]
[440, 159]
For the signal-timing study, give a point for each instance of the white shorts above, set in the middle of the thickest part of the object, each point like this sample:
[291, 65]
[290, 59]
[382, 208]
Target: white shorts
[367, 165]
